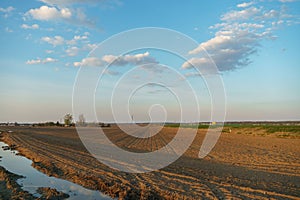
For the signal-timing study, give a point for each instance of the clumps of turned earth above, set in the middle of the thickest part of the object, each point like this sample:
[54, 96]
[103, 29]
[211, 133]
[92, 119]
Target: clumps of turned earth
[51, 194]
[11, 147]
[246, 163]
[47, 167]
[9, 187]
[11, 190]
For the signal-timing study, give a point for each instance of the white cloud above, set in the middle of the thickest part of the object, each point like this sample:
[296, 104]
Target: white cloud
[228, 50]
[91, 61]
[244, 5]
[47, 60]
[279, 22]
[33, 62]
[64, 14]
[195, 62]
[72, 51]
[89, 47]
[7, 10]
[287, 1]
[73, 47]
[229, 28]
[241, 15]
[136, 59]
[41, 61]
[67, 2]
[216, 42]
[46, 13]
[235, 40]
[55, 41]
[49, 51]
[77, 38]
[204, 66]
[271, 14]
[33, 26]
[104, 3]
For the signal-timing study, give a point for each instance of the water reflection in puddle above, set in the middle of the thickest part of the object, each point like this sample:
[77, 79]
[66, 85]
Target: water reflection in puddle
[35, 179]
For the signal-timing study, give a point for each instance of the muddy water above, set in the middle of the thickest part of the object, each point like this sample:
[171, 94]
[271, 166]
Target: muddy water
[35, 179]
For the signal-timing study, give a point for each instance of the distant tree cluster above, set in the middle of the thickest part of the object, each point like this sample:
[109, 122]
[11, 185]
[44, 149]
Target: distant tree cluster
[68, 119]
[104, 125]
[48, 124]
[81, 120]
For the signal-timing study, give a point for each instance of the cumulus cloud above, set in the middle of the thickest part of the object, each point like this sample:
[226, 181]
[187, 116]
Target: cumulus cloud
[72, 51]
[77, 38]
[46, 13]
[244, 5]
[90, 61]
[64, 14]
[68, 2]
[137, 59]
[287, 1]
[102, 3]
[89, 47]
[41, 61]
[236, 38]
[49, 51]
[55, 41]
[153, 68]
[72, 47]
[271, 14]
[69, 11]
[33, 26]
[241, 14]
[7, 10]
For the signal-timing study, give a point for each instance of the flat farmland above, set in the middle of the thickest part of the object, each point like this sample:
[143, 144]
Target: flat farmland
[246, 163]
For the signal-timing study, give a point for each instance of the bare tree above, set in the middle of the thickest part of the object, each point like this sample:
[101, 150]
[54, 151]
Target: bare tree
[81, 120]
[68, 118]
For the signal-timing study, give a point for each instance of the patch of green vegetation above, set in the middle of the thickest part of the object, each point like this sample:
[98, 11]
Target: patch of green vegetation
[239, 125]
[269, 128]
[196, 126]
[282, 128]
[288, 135]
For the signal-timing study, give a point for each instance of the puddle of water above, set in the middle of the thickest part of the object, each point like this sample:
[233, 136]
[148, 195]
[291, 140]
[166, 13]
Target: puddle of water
[35, 179]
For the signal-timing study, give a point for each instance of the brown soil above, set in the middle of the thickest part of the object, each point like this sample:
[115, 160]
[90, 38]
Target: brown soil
[51, 194]
[11, 190]
[241, 166]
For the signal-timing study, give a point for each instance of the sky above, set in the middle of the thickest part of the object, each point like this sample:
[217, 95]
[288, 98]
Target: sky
[251, 47]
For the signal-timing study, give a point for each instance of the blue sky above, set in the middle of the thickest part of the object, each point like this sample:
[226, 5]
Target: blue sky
[254, 44]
